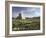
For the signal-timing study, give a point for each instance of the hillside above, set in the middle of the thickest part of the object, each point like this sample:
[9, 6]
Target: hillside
[26, 24]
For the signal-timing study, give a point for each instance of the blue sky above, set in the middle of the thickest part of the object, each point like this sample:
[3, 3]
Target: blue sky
[26, 11]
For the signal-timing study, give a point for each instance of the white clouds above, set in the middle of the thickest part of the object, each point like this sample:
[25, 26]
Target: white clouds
[32, 12]
[28, 12]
